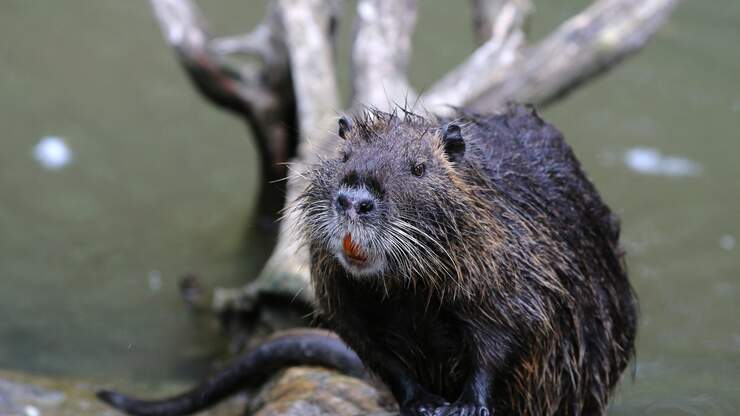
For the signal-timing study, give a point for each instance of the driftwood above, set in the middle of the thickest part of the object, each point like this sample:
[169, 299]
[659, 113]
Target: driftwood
[287, 90]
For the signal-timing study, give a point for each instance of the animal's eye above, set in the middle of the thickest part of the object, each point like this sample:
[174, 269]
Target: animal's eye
[418, 169]
[345, 156]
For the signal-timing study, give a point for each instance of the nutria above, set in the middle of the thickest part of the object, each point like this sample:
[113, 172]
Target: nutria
[469, 263]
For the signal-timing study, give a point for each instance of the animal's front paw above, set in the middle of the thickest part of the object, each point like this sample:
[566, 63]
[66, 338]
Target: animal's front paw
[464, 409]
[427, 405]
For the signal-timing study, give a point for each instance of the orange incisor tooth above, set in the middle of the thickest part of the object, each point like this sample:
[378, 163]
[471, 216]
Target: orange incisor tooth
[350, 248]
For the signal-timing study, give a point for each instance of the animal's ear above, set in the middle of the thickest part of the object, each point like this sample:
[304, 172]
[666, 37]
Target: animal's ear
[454, 143]
[344, 127]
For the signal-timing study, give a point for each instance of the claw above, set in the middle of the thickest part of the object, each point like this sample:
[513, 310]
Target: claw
[462, 410]
[426, 406]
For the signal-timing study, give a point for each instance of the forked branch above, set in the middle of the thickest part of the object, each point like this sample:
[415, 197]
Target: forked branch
[499, 27]
[582, 48]
[259, 91]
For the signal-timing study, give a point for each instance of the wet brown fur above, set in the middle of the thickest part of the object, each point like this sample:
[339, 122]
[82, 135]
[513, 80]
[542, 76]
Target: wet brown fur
[508, 264]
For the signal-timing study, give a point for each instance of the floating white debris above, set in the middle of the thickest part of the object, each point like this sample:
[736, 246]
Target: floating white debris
[52, 152]
[727, 242]
[366, 11]
[155, 280]
[31, 411]
[652, 162]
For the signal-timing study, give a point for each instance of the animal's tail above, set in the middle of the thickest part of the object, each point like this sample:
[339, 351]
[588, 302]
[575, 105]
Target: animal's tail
[289, 348]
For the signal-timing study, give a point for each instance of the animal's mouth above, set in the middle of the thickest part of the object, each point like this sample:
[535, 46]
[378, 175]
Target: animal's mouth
[357, 258]
[353, 252]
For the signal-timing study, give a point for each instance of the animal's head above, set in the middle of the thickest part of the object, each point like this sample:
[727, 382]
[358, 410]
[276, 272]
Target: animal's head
[390, 198]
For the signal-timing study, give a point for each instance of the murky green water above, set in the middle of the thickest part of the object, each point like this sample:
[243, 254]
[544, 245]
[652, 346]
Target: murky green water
[160, 184]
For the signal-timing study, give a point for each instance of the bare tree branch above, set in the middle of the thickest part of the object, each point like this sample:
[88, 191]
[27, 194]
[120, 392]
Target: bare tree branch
[260, 91]
[500, 28]
[381, 51]
[185, 29]
[583, 47]
[496, 19]
[309, 28]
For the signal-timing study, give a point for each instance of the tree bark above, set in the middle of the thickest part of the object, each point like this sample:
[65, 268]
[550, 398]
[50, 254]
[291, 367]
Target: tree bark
[380, 57]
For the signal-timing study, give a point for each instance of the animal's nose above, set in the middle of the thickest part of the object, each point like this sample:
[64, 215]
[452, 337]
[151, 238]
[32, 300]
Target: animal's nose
[355, 202]
[343, 203]
[365, 206]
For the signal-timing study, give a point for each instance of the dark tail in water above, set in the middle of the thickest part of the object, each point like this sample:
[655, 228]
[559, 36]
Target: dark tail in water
[290, 348]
